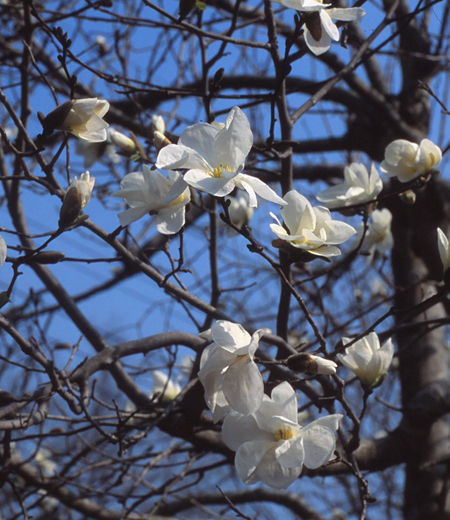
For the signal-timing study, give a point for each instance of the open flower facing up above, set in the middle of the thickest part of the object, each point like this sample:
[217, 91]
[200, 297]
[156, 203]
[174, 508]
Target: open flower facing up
[359, 187]
[319, 27]
[406, 160]
[214, 156]
[227, 370]
[150, 192]
[81, 117]
[164, 389]
[367, 360]
[310, 229]
[443, 246]
[271, 446]
[77, 197]
[378, 236]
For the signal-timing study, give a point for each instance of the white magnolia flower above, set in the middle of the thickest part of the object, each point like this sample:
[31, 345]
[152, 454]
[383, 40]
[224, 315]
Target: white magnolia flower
[84, 119]
[443, 246]
[227, 370]
[359, 187]
[271, 446]
[3, 250]
[319, 27]
[76, 198]
[164, 389]
[378, 236]
[150, 192]
[215, 157]
[367, 360]
[310, 229]
[84, 186]
[44, 460]
[406, 160]
[239, 211]
[93, 151]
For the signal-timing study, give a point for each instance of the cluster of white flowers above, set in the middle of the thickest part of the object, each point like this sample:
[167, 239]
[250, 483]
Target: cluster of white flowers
[270, 445]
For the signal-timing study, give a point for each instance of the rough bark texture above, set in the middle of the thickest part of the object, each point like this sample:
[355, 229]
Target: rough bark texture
[423, 354]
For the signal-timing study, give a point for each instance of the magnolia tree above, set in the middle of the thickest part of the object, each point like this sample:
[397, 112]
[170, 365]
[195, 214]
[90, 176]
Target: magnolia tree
[224, 260]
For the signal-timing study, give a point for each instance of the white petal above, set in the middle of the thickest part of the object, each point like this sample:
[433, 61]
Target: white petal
[3, 250]
[230, 335]
[242, 385]
[346, 15]
[261, 189]
[319, 443]
[238, 429]
[219, 187]
[443, 246]
[290, 453]
[200, 137]
[234, 142]
[328, 25]
[132, 214]
[170, 220]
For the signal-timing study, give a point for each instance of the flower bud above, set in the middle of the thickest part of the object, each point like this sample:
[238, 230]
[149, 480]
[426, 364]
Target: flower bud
[311, 364]
[124, 143]
[158, 124]
[76, 198]
[160, 141]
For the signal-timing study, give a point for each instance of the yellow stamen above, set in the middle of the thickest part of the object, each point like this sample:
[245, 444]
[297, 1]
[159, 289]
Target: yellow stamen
[217, 172]
[284, 433]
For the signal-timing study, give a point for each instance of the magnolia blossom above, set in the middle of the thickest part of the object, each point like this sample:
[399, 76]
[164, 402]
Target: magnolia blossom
[3, 250]
[227, 370]
[367, 360]
[81, 117]
[406, 160]
[84, 186]
[271, 446]
[378, 236]
[76, 198]
[359, 187]
[44, 460]
[319, 27]
[164, 389]
[443, 246]
[310, 229]
[150, 192]
[215, 156]
[239, 211]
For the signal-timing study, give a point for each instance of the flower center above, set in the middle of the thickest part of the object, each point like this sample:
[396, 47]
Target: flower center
[283, 433]
[217, 172]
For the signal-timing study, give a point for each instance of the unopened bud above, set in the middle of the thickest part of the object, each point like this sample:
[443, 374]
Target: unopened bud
[160, 141]
[158, 124]
[47, 257]
[71, 206]
[311, 364]
[408, 197]
[76, 198]
[124, 143]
